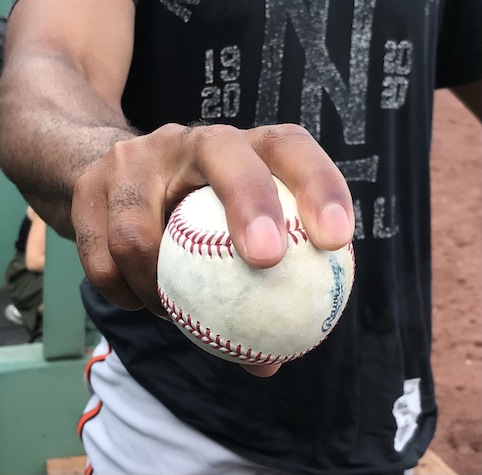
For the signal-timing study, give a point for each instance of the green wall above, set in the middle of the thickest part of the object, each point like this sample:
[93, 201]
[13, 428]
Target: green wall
[42, 391]
[40, 404]
[5, 6]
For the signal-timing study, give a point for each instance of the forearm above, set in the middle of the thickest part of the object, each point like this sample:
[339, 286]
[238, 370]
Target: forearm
[35, 263]
[35, 248]
[50, 134]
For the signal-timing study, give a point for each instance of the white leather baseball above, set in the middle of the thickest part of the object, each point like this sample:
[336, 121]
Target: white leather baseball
[243, 314]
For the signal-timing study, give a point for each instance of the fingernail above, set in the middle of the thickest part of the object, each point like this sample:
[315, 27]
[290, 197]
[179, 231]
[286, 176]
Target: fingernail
[263, 239]
[334, 224]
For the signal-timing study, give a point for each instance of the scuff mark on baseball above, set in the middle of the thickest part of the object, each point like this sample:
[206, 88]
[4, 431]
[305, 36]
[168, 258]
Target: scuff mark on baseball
[242, 314]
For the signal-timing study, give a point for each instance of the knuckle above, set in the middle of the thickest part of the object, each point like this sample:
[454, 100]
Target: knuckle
[201, 140]
[125, 155]
[120, 149]
[120, 155]
[283, 132]
[167, 133]
[170, 128]
[126, 243]
[104, 276]
[211, 133]
[284, 137]
[81, 185]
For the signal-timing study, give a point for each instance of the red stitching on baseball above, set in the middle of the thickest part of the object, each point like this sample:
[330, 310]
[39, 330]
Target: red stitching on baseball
[208, 242]
[216, 342]
[213, 242]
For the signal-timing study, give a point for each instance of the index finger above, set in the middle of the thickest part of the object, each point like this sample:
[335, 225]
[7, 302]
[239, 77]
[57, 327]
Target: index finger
[245, 186]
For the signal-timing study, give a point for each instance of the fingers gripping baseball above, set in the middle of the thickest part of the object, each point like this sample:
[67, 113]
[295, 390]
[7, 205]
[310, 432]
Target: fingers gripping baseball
[239, 164]
[323, 197]
[243, 182]
[119, 204]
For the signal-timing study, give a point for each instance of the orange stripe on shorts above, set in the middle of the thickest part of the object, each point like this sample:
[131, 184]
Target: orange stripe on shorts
[87, 416]
[95, 359]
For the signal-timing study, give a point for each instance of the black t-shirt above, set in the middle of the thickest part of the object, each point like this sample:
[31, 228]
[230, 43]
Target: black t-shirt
[360, 77]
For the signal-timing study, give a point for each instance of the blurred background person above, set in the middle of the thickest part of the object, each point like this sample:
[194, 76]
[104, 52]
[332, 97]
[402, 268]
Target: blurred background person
[24, 276]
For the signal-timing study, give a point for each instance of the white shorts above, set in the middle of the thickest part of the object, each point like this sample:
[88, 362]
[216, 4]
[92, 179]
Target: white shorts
[145, 438]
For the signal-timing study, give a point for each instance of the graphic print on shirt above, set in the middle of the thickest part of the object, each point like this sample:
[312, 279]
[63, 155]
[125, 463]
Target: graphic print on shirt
[406, 410]
[397, 65]
[309, 21]
[222, 101]
[180, 8]
[221, 94]
[345, 85]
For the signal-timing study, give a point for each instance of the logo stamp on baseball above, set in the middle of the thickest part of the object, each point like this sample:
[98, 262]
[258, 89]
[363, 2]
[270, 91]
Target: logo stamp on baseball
[242, 314]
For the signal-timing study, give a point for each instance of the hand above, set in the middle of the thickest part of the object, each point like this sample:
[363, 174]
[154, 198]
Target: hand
[120, 203]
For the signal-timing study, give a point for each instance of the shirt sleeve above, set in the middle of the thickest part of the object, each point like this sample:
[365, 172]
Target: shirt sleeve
[459, 51]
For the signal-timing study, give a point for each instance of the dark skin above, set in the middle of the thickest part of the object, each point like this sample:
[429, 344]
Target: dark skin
[89, 175]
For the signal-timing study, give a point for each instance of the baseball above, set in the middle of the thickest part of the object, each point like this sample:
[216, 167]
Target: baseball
[242, 314]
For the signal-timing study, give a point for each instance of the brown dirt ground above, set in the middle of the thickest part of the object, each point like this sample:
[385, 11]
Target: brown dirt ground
[457, 283]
